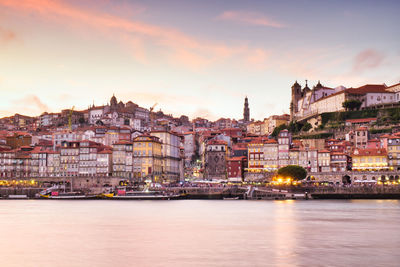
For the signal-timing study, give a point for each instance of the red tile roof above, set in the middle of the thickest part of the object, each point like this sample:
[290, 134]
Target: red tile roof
[362, 129]
[216, 142]
[368, 88]
[106, 151]
[369, 152]
[366, 120]
[393, 85]
[236, 158]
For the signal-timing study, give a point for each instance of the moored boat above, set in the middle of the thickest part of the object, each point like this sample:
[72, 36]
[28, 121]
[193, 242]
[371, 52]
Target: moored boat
[67, 195]
[230, 198]
[142, 195]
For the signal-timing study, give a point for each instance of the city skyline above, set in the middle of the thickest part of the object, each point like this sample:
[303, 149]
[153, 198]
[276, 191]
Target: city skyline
[188, 56]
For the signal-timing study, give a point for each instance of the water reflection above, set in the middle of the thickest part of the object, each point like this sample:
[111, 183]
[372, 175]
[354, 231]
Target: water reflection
[200, 233]
[283, 230]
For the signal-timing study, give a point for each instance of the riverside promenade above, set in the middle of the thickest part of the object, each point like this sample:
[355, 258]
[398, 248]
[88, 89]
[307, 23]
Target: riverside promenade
[357, 192]
[248, 192]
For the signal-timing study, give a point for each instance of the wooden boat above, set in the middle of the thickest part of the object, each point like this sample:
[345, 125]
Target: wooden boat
[142, 195]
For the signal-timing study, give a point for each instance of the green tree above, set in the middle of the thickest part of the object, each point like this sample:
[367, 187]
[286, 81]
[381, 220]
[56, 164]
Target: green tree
[352, 104]
[294, 171]
[278, 129]
[294, 127]
[306, 127]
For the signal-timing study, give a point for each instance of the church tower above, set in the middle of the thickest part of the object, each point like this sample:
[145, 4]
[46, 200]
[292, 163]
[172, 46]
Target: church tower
[246, 110]
[113, 103]
[296, 96]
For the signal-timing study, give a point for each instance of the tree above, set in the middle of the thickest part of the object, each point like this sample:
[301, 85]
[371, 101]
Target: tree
[81, 120]
[278, 129]
[294, 127]
[352, 104]
[293, 171]
[306, 127]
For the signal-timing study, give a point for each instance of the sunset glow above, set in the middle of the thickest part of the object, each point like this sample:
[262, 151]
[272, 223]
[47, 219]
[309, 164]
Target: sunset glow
[191, 57]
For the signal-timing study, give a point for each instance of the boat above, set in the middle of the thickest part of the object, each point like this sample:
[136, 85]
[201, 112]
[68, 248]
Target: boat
[17, 197]
[230, 198]
[141, 195]
[66, 195]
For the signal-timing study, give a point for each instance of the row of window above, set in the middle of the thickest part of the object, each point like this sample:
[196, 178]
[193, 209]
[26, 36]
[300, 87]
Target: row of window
[370, 159]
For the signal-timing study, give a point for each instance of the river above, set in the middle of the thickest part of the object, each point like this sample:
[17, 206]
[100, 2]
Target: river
[199, 233]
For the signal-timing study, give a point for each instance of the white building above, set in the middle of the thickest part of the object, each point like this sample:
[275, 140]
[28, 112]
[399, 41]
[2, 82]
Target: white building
[122, 159]
[171, 153]
[95, 114]
[104, 163]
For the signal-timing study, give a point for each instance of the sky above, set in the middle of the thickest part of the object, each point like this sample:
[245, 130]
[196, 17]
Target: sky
[197, 58]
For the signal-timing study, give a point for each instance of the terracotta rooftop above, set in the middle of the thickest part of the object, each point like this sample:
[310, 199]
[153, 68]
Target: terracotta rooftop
[216, 142]
[397, 84]
[362, 128]
[368, 88]
[366, 120]
[236, 158]
[369, 152]
[106, 151]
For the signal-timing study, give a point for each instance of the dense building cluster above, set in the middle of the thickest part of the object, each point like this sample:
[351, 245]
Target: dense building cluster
[125, 140]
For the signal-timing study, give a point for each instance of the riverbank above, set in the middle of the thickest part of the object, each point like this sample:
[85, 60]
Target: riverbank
[227, 193]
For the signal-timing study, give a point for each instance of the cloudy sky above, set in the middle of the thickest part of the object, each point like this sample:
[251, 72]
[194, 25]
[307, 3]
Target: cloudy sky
[199, 58]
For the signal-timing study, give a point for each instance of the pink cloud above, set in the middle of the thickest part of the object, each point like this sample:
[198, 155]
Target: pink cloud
[203, 113]
[178, 47]
[34, 101]
[367, 59]
[28, 105]
[252, 18]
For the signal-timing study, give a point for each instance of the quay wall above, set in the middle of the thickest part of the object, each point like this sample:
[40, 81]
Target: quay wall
[29, 192]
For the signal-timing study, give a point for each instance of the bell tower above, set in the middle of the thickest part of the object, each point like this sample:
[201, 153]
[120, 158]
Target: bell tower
[296, 96]
[246, 110]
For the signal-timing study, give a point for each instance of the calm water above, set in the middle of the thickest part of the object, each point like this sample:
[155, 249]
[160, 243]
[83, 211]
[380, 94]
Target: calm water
[199, 233]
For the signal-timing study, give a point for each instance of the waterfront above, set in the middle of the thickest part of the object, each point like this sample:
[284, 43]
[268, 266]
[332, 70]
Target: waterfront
[200, 233]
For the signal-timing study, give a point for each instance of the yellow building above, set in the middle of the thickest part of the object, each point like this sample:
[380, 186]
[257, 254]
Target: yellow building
[262, 155]
[147, 158]
[255, 154]
[370, 159]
